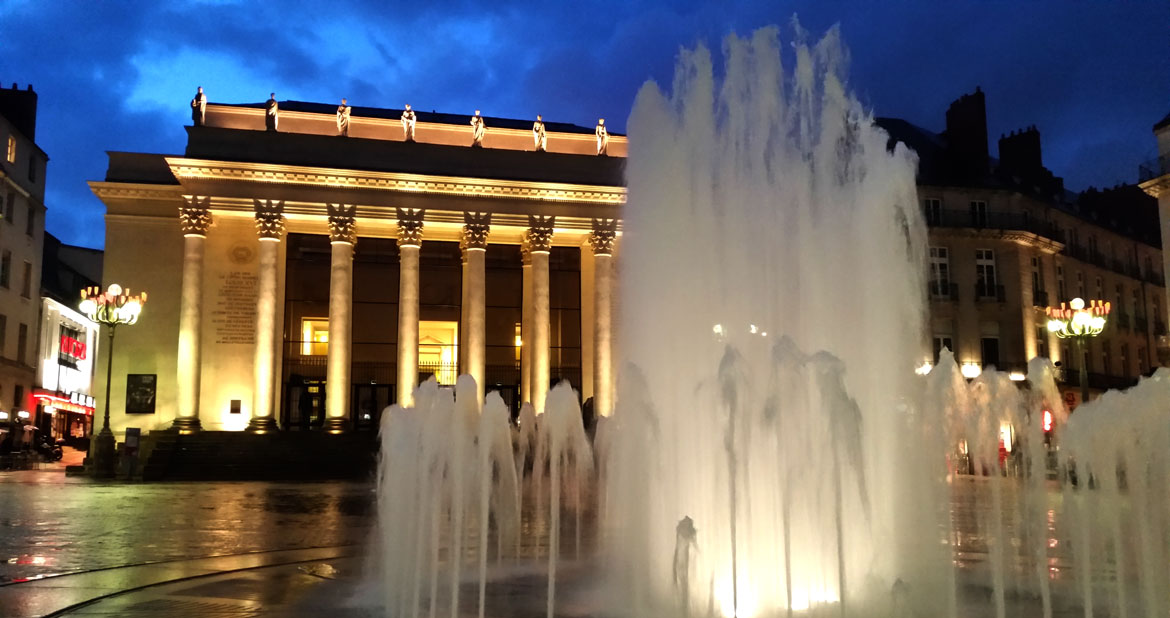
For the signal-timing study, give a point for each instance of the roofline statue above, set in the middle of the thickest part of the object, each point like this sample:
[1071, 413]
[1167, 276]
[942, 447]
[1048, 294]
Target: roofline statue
[408, 121]
[343, 112]
[478, 130]
[199, 108]
[602, 138]
[271, 113]
[539, 136]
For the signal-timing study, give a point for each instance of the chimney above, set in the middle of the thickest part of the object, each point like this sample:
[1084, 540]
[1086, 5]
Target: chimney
[1019, 153]
[20, 108]
[967, 135]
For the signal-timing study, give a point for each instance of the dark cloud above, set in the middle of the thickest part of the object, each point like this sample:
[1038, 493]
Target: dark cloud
[1093, 77]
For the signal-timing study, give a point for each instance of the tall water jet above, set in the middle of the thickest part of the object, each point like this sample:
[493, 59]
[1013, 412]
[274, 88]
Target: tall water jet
[764, 202]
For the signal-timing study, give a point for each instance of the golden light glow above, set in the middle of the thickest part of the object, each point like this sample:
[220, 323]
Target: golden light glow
[11, 149]
[314, 336]
[1077, 320]
[924, 368]
[438, 350]
[1017, 376]
[971, 370]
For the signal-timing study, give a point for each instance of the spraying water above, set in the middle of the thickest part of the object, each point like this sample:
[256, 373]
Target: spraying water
[789, 225]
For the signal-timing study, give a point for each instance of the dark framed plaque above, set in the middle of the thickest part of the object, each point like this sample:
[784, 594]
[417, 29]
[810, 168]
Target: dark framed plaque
[140, 393]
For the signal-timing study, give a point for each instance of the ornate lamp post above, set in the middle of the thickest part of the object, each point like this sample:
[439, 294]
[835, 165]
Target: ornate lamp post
[110, 308]
[1079, 323]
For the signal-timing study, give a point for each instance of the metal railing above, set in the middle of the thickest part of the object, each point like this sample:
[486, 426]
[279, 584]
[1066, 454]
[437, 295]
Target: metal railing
[985, 291]
[942, 290]
[1155, 277]
[1122, 319]
[1039, 298]
[994, 220]
[1159, 166]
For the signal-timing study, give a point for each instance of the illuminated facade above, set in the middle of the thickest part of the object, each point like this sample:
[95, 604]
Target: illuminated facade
[1006, 241]
[304, 280]
[22, 208]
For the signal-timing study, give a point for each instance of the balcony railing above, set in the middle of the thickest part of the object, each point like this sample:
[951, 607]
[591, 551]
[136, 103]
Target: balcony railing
[993, 220]
[1154, 168]
[1077, 251]
[1140, 324]
[990, 292]
[1039, 298]
[1098, 259]
[1155, 277]
[942, 290]
[1122, 319]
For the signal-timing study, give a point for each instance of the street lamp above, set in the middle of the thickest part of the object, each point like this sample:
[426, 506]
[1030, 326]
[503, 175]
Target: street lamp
[1079, 323]
[110, 308]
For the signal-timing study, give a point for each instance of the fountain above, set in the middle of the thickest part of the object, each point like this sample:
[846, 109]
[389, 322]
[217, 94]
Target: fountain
[772, 451]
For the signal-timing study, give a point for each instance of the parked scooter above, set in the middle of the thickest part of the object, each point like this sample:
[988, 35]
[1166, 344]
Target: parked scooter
[49, 448]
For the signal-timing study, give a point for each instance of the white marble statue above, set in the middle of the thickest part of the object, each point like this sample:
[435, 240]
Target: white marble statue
[343, 112]
[602, 137]
[272, 113]
[199, 108]
[478, 129]
[539, 137]
[408, 121]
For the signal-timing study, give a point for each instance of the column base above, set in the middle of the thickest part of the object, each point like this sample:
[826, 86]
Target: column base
[334, 424]
[187, 424]
[262, 424]
[104, 462]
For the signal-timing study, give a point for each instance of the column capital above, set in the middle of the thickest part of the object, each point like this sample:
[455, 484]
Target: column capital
[269, 219]
[342, 225]
[195, 215]
[603, 236]
[410, 227]
[476, 226]
[540, 233]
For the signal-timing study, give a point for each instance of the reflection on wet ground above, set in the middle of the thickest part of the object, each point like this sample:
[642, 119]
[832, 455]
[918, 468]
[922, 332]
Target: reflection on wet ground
[53, 524]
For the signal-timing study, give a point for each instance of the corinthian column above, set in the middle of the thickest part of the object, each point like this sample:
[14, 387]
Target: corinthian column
[474, 246]
[270, 229]
[194, 219]
[526, 323]
[410, 229]
[539, 240]
[602, 239]
[342, 237]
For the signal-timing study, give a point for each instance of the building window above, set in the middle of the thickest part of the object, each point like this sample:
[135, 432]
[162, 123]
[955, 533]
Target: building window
[1092, 245]
[1123, 357]
[985, 273]
[438, 350]
[32, 168]
[1039, 296]
[1106, 358]
[1120, 298]
[1142, 360]
[932, 206]
[18, 397]
[3, 336]
[1042, 341]
[1080, 285]
[30, 222]
[21, 342]
[10, 206]
[6, 269]
[989, 348]
[314, 336]
[26, 284]
[12, 149]
[1100, 289]
[1137, 305]
[940, 272]
[978, 213]
[940, 342]
[1060, 291]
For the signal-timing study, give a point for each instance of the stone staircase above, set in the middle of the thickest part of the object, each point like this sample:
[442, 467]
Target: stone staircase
[238, 456]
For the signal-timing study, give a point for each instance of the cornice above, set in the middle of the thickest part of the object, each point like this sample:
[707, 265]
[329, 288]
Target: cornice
[106, 190]
[1020, 237]
[200, 169]
[1157, 187]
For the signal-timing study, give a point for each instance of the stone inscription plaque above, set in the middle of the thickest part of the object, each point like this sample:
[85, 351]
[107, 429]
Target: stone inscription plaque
[234, 314]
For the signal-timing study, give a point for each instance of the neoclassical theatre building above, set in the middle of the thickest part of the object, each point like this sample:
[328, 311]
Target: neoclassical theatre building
[304, 271]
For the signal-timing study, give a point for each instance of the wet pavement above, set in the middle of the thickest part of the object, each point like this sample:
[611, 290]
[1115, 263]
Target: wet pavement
[52, 524]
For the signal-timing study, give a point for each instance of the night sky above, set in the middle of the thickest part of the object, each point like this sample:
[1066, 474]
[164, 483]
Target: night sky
[1092, 76]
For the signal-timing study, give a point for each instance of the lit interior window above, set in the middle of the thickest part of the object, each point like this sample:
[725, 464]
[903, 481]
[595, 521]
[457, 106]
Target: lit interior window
[12, 149]
[438, 350]
[314, 336]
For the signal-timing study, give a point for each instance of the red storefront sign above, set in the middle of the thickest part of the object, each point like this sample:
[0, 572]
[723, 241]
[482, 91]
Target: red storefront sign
[72, 347]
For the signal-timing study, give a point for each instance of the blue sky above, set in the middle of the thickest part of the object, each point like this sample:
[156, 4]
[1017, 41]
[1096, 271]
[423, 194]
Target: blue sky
[1092, 76]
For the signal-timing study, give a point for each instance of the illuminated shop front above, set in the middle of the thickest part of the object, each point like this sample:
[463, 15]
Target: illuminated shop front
[64, 392]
